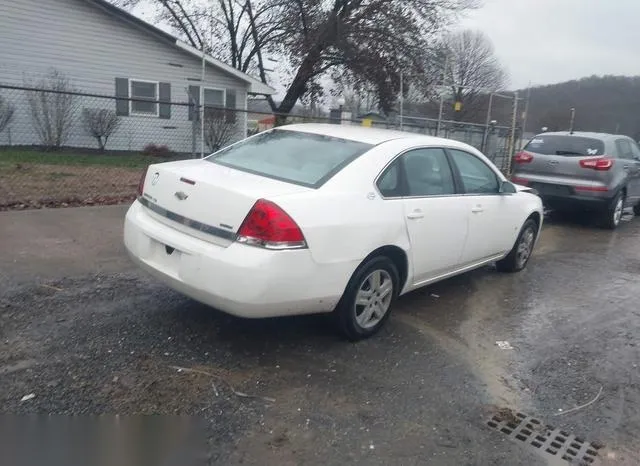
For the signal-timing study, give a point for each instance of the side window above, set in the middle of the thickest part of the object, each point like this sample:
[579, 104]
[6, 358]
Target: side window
[477, 176]
[635, 150]
[389, 182]
[624, 149]
[428, 173]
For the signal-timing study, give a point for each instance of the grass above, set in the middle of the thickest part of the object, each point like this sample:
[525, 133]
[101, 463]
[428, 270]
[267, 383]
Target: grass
[10, 157]
[32, 178]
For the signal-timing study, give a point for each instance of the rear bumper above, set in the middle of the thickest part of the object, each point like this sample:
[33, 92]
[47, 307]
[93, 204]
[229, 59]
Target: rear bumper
[576, 202]
[241, 280]
[562, 195]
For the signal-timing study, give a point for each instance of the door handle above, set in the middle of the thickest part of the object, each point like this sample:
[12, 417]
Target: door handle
[415, 215]
[477, 209]
[626, 167]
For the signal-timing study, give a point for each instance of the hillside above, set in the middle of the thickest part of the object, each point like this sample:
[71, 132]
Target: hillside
[608, 104]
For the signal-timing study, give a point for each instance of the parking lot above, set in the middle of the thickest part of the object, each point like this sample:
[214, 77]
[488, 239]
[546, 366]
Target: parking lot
[85, 333]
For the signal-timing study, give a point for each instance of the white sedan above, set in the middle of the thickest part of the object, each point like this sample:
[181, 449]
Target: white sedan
[327, 218]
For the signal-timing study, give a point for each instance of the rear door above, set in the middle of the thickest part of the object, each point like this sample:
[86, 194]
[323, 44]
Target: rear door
[552, 163]
[435, 214]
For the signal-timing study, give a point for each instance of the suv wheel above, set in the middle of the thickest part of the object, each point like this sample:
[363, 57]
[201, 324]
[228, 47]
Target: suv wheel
[613, 215]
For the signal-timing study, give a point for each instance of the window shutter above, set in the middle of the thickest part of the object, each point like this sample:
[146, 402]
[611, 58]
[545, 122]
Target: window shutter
[122, 91]
[164, 95]
[194, 102]
[231, 105]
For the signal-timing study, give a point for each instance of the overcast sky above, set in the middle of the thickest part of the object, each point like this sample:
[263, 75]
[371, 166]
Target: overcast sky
[548, 41]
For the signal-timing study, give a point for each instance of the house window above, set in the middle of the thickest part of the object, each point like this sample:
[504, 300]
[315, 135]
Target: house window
[213, 98]
[146, 90]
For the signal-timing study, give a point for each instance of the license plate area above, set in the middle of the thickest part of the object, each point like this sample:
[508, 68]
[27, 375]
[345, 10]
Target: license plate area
[552, 189]
[166, 257]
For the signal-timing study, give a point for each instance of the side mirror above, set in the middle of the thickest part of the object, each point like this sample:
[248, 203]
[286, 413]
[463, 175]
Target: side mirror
[507, 187]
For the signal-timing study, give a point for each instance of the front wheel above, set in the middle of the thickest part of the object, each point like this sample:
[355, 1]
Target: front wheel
[636, 210]
[519, 256]
[368, 298]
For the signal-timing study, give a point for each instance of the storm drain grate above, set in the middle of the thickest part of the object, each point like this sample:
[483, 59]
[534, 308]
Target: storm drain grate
[545, 438]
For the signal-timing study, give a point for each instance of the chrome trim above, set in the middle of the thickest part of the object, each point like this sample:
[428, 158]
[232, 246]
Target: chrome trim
[208, 229]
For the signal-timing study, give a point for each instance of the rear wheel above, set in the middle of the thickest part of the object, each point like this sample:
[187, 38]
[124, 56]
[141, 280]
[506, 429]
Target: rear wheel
[368, 299]
[613, 214]
[636, 210]
[517, 259]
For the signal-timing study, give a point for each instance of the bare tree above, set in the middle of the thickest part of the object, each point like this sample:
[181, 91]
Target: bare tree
[371, 40]
[472, 69]
[219, 128]
[52, 107]
[7, 110]
[100, 123]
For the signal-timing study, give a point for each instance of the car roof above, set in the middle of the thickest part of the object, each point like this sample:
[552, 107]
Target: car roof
[367, 135]
[585, 134]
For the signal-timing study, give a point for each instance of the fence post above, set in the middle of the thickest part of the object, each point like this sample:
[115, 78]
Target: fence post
[512, 142]
[485, 136]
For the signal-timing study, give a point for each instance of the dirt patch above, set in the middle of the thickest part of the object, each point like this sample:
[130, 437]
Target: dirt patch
[34, 186]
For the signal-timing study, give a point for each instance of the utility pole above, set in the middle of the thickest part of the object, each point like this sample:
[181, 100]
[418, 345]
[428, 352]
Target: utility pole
[401, 97]
[572, 120]
[202, 80]
[444, 73]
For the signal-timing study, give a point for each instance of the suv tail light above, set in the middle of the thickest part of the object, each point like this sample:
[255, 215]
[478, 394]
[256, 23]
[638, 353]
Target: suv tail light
[599, 164]
[141, 182]
[523, 157]
[270, 227]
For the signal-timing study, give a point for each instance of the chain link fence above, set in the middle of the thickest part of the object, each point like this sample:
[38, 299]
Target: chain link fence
[494, 141]
[60, 148]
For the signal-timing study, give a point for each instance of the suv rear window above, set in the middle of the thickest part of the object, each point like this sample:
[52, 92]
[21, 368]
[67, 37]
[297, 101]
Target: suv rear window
[571, 146]
[292, 156]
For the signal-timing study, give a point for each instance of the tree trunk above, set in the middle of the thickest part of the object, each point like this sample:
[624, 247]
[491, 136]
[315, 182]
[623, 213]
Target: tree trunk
[299, 85]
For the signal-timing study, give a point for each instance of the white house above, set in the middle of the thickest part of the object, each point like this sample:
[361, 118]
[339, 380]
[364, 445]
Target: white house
[106, 51]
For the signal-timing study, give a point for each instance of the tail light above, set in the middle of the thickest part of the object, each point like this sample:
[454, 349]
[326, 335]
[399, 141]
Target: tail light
[518, 180]
[523, 157]
[599, 164]
[141, 182]
[270, 227]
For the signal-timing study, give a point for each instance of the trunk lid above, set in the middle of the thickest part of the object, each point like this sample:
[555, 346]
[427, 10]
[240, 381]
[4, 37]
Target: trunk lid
[207, 200]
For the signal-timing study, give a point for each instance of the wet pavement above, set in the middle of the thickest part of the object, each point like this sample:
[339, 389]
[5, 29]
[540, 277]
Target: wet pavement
[86, 333]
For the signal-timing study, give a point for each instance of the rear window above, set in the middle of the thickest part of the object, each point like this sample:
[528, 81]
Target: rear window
[291, 156]
[571, 146]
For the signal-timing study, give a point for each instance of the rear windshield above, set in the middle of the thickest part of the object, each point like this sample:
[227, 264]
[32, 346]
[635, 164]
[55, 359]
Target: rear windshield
[291, 156]
[571, 146]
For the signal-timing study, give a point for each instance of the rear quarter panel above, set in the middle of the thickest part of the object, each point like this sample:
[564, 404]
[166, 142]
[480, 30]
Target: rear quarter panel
[346, 219]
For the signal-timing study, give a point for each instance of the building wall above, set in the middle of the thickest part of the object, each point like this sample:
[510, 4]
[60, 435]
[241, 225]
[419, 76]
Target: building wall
[93, 47]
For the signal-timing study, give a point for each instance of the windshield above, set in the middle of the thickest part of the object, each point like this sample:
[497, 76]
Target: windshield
[291, 156]
[570, 146]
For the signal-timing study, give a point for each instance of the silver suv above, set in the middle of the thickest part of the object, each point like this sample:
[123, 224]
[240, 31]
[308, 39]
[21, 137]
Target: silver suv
[596, 172]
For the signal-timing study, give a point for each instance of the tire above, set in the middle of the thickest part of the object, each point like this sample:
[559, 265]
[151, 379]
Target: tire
[613, 214]
[636, 210]
[519, 256]
[351, 316]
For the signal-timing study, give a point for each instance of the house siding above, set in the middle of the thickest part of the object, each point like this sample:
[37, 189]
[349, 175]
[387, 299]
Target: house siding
[93, 47]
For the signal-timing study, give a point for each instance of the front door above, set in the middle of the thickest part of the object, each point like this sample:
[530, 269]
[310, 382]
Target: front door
[492, 230]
